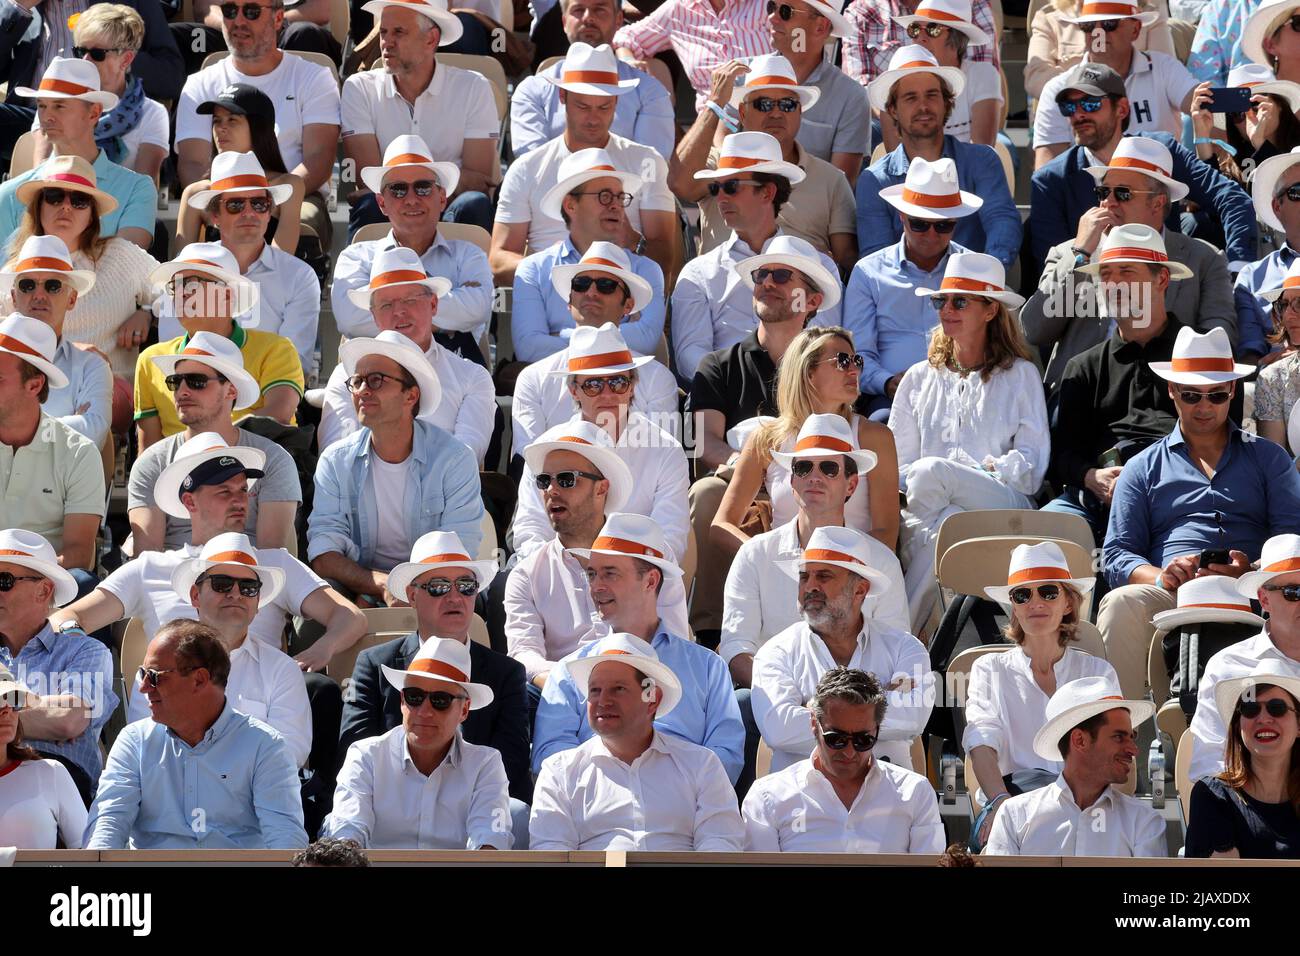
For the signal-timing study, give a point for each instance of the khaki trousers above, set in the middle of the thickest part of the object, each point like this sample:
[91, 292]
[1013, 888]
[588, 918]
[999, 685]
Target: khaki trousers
[712, 564]
[1124, 620]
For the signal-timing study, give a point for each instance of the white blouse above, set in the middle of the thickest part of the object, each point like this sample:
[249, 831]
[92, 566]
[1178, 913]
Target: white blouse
[121, 286]
[938, 413]
[39, 803]
[857, 510]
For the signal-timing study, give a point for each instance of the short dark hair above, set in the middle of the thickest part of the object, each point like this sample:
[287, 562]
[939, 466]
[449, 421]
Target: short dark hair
[782, 189]
[1092, 727]
[643, 567]
[330, 851]
[197, 645]
[852, 686]
[27, 371]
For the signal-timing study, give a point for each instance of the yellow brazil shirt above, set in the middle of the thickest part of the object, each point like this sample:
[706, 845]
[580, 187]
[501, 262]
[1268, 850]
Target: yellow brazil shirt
[269, 358]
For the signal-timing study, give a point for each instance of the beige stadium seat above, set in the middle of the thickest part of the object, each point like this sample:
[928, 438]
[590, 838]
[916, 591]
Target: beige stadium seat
[340, 20]
[763, 762]
[382, 624]
[487, 549]
[134, 644]
[376, 230]
[1171, 721]
[1013, 521]
[1157, 676]
[23, 157]
[1183, 772]
[969, 565]
[478, 632]
[462, 230]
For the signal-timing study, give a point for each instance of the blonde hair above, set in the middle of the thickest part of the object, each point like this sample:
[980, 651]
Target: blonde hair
[795, 397]
[121, 25]
[1069, 630]
[1006, 343]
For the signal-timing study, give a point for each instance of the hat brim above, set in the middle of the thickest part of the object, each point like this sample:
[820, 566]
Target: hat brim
[1265, 182]
[878, 89]
[1180, 617]
[1248, 584]
[637, 362]
[1176, 189]
[1165, 371]
[103, 97]
[53, 375]
[1006, 296]
[354, 350]
[772, 167]
[808, 95]
[1259, 25]
[607, 460]
[104, 202]
[1002, 593]
[862, 457]
[167, 489]
[22, 691]
[1176, 269]
[594, 89]
[65, 585]
[480, 695]
[975, 35]
[879, 581]
[562, 276]
[360, 297]
[1047, 738]
[554, 198]
[448, 175]
[247, 388]
[828, 285]
[187, 572]
[83, 280]
[970, 204]
[1286, 89]
[246, 291]
[840, 24]
[448, 25]
[1228, 692]
[279, 194]
[1147, 17]
[400, 578]
[666, 564]
[581, 668]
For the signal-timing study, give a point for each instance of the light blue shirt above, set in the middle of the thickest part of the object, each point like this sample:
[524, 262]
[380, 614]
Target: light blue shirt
[1216, 48]
[137, 199]
[540, 318]
[53, 664]
[891, 324]
[707, 714]
[238, 789]
[345, 514]
[644, 113]
[1254, 312]
[86, 402]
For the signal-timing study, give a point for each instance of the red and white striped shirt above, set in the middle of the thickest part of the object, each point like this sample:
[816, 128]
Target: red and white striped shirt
[867, 52]
[702, 38]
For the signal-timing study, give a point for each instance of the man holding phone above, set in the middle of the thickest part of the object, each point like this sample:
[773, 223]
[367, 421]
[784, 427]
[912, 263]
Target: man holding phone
[1178, 506]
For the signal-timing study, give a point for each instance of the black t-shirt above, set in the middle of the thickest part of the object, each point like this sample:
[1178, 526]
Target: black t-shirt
[739, 381]
[1222, 818]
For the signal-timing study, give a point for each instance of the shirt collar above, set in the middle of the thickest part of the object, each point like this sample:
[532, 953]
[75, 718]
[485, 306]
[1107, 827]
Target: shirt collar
[237, 335]
[46, 636]
[1175, 437]
[218, 728]
[1065, 795]
[452, 759]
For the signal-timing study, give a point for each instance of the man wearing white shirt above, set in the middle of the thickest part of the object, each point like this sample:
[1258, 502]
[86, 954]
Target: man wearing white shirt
[632, 787]
[421, 786]
[409, 306]
[835, 577]
[1091, 727]
[520, 219]
[413, 191]
[841, 799]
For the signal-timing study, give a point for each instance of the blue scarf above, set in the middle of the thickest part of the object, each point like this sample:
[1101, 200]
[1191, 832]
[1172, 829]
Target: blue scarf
[120, 120]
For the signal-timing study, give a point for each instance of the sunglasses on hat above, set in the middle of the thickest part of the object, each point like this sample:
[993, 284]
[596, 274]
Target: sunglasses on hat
[414, 698]
[942, 226]
[838, 739]
[441, 587]
[1048, 592]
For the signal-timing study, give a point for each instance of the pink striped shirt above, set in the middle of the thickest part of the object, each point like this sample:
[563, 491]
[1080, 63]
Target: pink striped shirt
[702, 38]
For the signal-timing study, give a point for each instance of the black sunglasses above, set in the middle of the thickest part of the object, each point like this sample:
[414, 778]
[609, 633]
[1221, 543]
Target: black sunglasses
[931, 29]
[785, 11]
[1109, 26]
[98, 55]
[1090, 104]
[414, 697]
[374, 381]
[618, 384]
[441, 587]
[236, 206]
[803, 468]
[607, 197]
[7, 580]
[150, 676]
[223, 583]
[786, 104]
[423, 187]
[1276, 708]
[1289, 591]
[730, 186]
[1048, 592]
[52, 286]
[779, 276]
[195, 381]
[251, 11]
[604, 284]
[838, 739]
[14, 700]
[843, 360]
[943, 226]
[959, 302]
[1194, 398]
[1122, 193]
[564, 479]
[56, 197]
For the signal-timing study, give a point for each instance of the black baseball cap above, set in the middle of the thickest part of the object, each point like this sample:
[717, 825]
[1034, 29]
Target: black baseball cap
[1095, 79]
[241, 98]
[215, 471]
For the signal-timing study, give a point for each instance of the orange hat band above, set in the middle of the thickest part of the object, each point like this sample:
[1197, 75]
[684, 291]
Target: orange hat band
[1280, 567]
[1226, 607]
[1116, 9]
[598, 261]
[825, 554]
[1134, 252]
[1130, 162]
[969, 285]
[409, 159]
[1037, 574]
[627, 547]
[17, 345]
[616, 652]
[25, 554]
[248, 180]
[43, 264]
[1201, 365]
[1291, 282]
[917, 65]
[191, 350]
[434, 668]
[931, 14]
[232, 557]
[51, 85]
[397, 275]
[599, 361]
[739, 162]
[932, 201]
[589, 76]
[822, 442]
[770, 81]
[573, 438]
[444, 559]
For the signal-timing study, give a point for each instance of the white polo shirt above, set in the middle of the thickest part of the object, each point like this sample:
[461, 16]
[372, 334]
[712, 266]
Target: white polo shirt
[1048, 822]
[456, 105]
[1157, 85]
[529, 179]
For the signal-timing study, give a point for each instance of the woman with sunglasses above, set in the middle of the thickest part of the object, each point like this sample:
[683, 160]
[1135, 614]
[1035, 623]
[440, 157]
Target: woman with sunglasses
[1272, 37]
[970, 421]
[1252, 809]
[818, 376]
[1245, 139]
[1007, 695]
[40, 808]
[1059, 38]
[1278, 386]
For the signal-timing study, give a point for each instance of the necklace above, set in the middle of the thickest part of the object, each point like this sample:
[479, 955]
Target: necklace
[962, 369]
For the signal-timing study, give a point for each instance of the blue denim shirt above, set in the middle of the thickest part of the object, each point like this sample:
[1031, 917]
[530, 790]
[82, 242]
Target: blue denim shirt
[1254, 312]
[707, 714]
[345, 515]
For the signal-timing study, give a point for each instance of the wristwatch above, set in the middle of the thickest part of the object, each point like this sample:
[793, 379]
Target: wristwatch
[71, 627]
[1081, 258]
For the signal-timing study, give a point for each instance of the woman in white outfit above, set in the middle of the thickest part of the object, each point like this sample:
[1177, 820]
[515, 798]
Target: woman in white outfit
[969, 422]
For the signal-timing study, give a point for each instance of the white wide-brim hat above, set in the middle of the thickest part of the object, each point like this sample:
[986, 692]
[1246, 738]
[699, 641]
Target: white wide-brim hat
[827, 436]
[1201, 359]
[743, 154]
[30, 550]
[840, 24]
[599, 351]
[1228, 693]
[1264, 183]
[974, 273]
[591, 71]
[932, 181]
[192, 259]
[67, 172]
[49, 254]
[1134, 242]
[1280, 555]
[247, 388]
[772, 71]
[396, 346]
[406, 152]
[480, 695]
[604, 457]
[1040, 563]
[811, 266]
[618, 649]
[913, 59]
[554, 197]
[70, 78]
[435, 550]
[1049, 736]
[1213, 599]
[34, 342]
[187, 572]
[1125, 161]
[1092, 15]
[167, 489]
[234, 172]
[593, 261]
[944, 15]
[1260, 25]
[448, 24]
[839, 547]
[630, 535]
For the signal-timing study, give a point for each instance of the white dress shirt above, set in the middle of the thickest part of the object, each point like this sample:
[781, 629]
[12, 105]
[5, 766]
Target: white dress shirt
[549, 612]
[674, 796]
[466, 308]
[1048, 822]
[1005, 707]
[659, 488]
[788, 667]
[531, 177]
[384, 802]
[542, 400]
[713, 308]
[761, 598]
[85, 404]
[467, 410]
[798, 811]
[265, 683]
[1209, 735]
[40, 804]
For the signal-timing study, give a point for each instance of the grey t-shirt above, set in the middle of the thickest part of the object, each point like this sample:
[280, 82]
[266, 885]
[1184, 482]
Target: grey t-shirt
[280, 483]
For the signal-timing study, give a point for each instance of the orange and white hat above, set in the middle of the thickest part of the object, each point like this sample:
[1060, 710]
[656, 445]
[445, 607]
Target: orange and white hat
[70, 79]
[397, 347]
[1041, 563]
[48, 254]
[1134, 242]
[1079, 700]
[220, 354]
[974, 273]
[823, 436]
[620, 648]
[600, 351]
[30, 550]
[906, 61]
[794, 253]
[1211, 599]
[1289, 281]
[582, 167]
[1201, 359]
[772, 71]
[35, 343]
[212, 259]
[229, 548]
[67, 172]
[744, 153]
[410, 150]
[449, 26]
[840, 547]
[632, 536]
[1150, 157]
[954, 14]
[238, 173]
[591, 71]
[1259, 78]
[397, 266]
[610, 259]
[438, 549]
[198, 451]
[931, 191]
[442, 659]
[591, 442]
[1280, 555]
[1095, 11]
